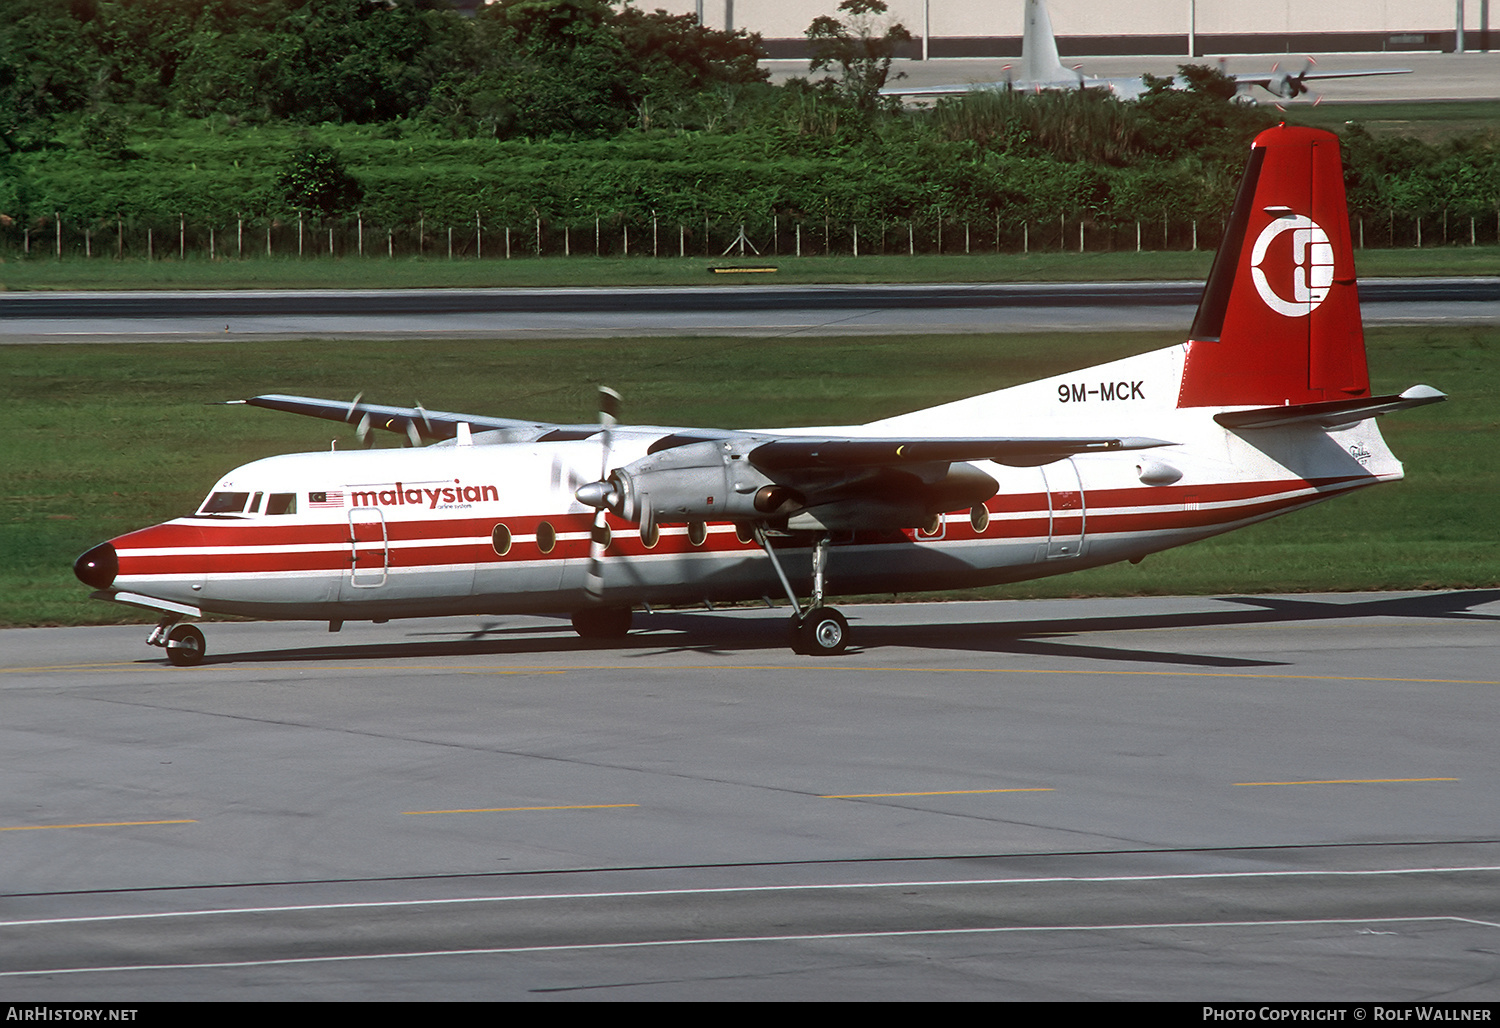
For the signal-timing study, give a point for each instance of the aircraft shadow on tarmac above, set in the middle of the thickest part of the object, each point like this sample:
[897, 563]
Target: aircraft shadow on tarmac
[716, 634]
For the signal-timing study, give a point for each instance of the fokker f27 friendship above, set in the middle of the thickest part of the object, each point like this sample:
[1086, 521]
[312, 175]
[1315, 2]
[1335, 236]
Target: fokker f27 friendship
[1265, 409]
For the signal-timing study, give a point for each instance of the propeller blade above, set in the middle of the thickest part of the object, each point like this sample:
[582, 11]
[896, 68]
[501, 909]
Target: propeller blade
[362, 432]
[599, 538]
[609, 407]
[354, 406]
[413, 436]
[609, 416]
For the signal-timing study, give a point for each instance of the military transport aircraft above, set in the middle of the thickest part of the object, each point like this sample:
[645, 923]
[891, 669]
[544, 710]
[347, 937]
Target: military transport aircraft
[1265, 409]
[1042, 70]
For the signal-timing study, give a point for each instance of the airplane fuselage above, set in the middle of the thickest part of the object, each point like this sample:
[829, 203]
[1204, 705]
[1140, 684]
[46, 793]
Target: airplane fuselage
[496, 528]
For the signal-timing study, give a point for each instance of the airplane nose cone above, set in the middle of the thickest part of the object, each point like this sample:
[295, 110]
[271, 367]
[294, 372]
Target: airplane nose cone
[98, 567]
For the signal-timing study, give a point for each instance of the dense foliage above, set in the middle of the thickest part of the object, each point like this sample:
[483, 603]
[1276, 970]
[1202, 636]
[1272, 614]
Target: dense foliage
[404, 112]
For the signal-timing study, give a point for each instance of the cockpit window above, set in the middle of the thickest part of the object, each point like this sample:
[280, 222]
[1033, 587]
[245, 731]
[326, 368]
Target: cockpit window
[282, 503]
[225, 503]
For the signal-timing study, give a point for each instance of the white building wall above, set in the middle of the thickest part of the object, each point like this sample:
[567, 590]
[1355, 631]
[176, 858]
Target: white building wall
[788, 19]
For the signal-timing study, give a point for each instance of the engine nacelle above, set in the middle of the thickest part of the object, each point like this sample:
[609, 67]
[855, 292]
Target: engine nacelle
[704, 481]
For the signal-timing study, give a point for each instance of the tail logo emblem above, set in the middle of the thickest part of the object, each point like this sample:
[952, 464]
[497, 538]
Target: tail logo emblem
[1311, 271]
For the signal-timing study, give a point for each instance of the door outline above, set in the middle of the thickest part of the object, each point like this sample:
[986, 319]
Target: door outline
[363, 542]
[1067, 510]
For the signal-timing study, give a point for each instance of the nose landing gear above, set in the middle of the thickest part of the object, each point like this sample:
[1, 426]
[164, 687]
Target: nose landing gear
[184, 644]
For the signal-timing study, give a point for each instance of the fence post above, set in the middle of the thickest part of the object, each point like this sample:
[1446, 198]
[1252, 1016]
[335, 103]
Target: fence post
[57, 216]
[361, 234]
[655, 248]
[182, 238]
[1195, 235]
[681, 239]
[567, 240]
[1137, 235]
[911, 240]
[799, 239]
[240, 230]
[1080, 235]
[120, 232]
[856, 239]
[299, 233]
[1025, 237]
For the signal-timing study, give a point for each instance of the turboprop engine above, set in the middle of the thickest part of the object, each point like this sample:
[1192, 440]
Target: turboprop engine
[718, 480]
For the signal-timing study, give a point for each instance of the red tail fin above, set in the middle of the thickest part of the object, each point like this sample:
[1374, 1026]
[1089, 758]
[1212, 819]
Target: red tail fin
[1279, 319]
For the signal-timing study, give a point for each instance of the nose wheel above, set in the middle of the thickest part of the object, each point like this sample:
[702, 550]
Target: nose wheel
[185, 645]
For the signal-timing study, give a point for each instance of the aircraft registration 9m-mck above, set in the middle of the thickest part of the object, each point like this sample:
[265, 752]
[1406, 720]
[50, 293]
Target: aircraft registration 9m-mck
[1265, 409]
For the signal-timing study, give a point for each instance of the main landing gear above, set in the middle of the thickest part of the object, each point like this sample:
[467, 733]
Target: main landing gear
[184, 643]
[818, 631]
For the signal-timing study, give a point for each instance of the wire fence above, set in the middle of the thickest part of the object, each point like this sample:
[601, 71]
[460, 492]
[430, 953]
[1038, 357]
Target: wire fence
[60, 236]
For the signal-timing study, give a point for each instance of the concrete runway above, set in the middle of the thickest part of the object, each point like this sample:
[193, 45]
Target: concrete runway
[740, 311]
[1234, 798]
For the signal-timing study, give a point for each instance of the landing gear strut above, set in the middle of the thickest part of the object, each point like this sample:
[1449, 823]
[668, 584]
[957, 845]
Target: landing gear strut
[818, 631]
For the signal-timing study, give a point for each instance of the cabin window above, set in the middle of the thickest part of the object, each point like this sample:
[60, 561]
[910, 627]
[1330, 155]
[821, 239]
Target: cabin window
[546, 537]
[500, 540]
[282, 503]
[225, 503]
[697, 532]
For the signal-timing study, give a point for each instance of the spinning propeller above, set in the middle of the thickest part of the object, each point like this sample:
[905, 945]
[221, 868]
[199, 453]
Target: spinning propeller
[601, 494]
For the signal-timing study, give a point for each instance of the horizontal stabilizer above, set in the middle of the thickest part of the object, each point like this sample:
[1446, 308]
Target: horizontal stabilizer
[1333, 413]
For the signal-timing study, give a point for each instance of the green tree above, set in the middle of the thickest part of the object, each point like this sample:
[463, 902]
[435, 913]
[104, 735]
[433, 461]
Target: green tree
[861, 47]
[314, 179]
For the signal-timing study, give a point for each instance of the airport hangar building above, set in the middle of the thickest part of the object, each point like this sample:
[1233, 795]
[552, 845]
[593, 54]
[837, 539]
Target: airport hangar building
[992, 28]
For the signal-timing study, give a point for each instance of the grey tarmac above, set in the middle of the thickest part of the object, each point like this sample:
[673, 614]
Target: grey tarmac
[1258, 798]
[83, 317]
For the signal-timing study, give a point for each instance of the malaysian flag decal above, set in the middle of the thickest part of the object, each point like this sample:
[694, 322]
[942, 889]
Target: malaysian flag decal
[331, 498]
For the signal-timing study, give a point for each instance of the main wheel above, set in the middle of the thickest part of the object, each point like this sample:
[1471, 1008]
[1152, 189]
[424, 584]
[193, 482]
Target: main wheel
[185, 645]
[603, 622]
[824, 633]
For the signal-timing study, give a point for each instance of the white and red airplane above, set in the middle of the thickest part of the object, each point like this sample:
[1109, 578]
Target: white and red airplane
[1265, 409]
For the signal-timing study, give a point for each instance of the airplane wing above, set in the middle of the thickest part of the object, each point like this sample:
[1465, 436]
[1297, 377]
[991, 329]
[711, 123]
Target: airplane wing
[822, 482]
[416, 423]
[798, 452]
[1289, 84]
